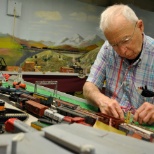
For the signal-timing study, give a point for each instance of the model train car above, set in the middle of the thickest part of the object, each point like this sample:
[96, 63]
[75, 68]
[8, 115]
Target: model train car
[44, 99]
[57, 117]
[35, 108]
[137, 132]
[59, 102]
[109, 120]
[30, 97]
[52, 114]
[9, 90]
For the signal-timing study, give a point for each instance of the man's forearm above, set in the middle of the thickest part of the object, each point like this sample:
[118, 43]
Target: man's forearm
[92, 93]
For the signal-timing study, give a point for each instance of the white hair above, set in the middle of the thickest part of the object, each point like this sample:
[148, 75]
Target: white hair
[114, 11]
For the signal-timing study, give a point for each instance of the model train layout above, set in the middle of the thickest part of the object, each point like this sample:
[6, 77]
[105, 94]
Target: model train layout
[52, 110]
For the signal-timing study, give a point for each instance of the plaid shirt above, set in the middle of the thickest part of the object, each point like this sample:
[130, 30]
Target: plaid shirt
[132, 77]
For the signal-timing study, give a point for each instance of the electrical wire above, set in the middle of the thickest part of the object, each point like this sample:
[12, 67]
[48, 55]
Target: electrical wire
[14, 22]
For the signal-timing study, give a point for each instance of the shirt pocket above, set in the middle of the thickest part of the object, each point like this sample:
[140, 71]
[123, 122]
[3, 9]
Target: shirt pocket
[137, 94]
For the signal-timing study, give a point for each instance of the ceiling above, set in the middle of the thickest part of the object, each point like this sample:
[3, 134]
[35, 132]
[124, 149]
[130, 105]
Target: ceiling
[143, 4]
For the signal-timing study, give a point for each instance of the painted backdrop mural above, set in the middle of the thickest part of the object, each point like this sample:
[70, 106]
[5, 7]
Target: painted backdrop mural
[54, 35]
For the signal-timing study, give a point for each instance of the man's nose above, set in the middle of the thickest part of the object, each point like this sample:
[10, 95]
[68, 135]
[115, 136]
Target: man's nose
[122, 49]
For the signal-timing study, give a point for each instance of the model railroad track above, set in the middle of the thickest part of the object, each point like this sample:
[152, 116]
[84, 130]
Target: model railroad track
[7, 113]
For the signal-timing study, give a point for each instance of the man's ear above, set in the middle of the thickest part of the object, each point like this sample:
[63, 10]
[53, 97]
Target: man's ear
[140, 25]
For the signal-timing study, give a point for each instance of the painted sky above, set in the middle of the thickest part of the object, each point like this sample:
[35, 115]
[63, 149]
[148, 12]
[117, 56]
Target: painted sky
[53, 20]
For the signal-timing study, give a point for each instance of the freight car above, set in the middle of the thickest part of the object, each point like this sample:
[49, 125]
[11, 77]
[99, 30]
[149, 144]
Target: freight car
[35, 108]
[72, 113]
[59, 102]
[9, 90]
[109, 120]
[68, 112]
[52, 114]
[57, 117]
[90, 114]
[137, 132]
[30, 97]
[44, 99]
[18, 101]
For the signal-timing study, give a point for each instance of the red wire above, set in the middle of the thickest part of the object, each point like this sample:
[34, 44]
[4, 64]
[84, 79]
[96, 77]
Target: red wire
[114, 94]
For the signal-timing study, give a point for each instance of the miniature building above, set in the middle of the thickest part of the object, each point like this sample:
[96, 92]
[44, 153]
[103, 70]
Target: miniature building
[12, 68]
[67, 69]
[28, 66]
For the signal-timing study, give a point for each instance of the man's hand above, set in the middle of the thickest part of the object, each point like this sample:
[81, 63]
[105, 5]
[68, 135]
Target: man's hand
[145, 113]
[112, 107]
[107, 105]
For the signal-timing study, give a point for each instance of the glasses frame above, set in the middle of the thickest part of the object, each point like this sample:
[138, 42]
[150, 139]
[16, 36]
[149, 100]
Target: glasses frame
[124, 41]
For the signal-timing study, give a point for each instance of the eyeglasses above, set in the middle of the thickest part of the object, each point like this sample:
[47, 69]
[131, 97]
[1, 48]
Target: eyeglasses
[125, 40]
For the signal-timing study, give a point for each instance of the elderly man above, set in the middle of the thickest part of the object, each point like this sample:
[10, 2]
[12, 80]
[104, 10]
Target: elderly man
[126, 63]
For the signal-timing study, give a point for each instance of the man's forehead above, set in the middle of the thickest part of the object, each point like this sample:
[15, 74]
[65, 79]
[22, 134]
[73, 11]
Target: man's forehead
[118, 33]
[117, 24]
